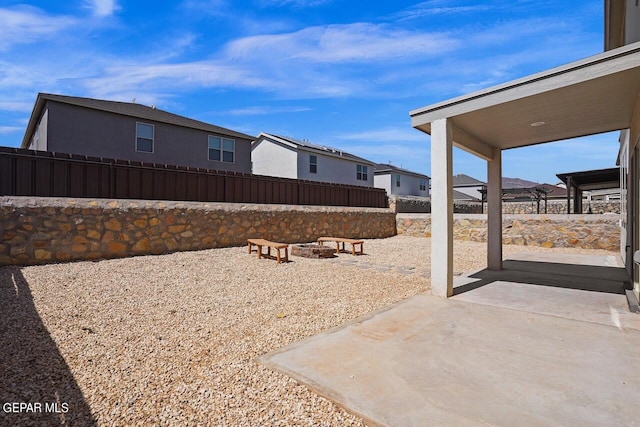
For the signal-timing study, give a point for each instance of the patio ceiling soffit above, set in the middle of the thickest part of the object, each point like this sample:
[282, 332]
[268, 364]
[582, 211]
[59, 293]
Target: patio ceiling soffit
[594, 95]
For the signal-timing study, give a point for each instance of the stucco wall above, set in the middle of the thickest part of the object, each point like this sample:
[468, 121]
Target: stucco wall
[333, 169]
[43, 230]
[383, 181]
[272, 159]
[409, 184]
[579, 231]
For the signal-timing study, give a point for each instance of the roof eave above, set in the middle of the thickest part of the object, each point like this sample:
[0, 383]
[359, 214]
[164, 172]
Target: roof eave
[38, 107]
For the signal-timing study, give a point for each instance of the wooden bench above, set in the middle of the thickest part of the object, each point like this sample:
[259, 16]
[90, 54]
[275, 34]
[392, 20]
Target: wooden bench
[343, 240]
[277, 246]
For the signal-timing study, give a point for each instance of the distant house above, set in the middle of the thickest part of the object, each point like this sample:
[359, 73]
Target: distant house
[287, 157]
[400, 182]
[468, 186]
[130, 131]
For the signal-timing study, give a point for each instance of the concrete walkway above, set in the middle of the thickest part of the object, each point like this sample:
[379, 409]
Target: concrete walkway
[540, 350]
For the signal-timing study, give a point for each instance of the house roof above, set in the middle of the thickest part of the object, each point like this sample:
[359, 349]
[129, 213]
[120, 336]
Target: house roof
[314, 148]
[126, 109]
[509, 183]
[382, 169]
[462, 180]
[594, 95]
[460, 196]
[593, 180]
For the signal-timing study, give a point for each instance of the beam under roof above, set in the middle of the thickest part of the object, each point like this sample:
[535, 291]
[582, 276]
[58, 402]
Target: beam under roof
[590, 96]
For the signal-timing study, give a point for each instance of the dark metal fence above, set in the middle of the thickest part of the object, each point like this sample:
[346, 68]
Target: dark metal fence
[48, 174]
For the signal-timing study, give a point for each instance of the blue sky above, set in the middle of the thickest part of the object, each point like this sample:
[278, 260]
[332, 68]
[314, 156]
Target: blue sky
[336, 72]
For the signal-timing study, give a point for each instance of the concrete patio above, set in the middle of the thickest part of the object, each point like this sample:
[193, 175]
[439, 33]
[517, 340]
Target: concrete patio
[546, 341]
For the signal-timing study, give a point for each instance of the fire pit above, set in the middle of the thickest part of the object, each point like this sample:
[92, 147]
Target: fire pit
[312, 250]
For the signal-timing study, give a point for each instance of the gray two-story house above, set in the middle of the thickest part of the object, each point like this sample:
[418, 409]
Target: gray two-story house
[130, 131]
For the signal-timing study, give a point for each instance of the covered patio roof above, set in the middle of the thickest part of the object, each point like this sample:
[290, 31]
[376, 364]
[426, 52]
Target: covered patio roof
[594, 95]
[592, 180]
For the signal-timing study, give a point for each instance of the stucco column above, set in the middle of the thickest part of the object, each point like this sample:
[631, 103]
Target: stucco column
[441, 208]
[494, 212]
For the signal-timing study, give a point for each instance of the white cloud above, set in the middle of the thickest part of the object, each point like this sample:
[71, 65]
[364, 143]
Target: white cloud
[358, 42]
[15, 106]
[429, 9]
[293, 3]
[26, 24]
[4, 130]
[102, 8]
[399, 134]
[267, 110]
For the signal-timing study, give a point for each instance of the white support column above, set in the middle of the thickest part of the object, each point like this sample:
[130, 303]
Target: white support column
[441, 208]
[494, 211]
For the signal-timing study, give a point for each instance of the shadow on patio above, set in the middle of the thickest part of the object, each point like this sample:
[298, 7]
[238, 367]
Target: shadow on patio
[32, 370]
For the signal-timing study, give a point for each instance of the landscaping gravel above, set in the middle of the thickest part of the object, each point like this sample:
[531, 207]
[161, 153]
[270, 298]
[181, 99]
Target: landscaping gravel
[172, 339]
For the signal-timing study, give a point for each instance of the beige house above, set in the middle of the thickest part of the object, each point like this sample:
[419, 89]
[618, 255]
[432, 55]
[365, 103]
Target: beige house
[594, 95]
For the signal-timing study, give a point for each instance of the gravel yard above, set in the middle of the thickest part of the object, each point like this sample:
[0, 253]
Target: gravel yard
[171, 339]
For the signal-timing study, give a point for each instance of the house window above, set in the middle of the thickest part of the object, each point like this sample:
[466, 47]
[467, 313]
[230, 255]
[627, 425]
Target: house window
[221, 149]
[397, 180]
[313, 164]
[423, 185]
[144, 137]
[361, 173]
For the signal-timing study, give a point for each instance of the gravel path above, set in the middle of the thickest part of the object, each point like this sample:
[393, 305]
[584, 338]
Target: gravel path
[171, 339]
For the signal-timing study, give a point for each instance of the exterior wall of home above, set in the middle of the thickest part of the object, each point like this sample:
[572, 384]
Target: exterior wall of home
[43, 230]
[273, 159]
[632, 22]
[39, 139]
[633, 204]
[78, 130]
[384, 182]
[572, 231]
[409, 185]
[332, 169]
[471, 191]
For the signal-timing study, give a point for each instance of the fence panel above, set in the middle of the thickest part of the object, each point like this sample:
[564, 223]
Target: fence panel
[38, 173]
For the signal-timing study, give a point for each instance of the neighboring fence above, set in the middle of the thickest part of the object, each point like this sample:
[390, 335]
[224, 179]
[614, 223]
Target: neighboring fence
[47, 174]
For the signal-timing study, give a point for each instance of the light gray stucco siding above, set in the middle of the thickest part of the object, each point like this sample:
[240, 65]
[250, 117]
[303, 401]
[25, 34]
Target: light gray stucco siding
[332, 169]
[273, 159]
[383, 181]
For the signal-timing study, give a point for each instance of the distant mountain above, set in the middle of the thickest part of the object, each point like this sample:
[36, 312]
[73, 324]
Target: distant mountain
[508, 183]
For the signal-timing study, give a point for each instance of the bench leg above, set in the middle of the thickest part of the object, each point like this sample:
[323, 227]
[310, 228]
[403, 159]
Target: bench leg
[249, 247]
[286, 254]
[353, 249]
[259, 251]
[278, 252]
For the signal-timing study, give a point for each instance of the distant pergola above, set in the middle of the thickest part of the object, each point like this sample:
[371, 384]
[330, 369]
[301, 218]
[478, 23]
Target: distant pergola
[579, 182]
[537, 193]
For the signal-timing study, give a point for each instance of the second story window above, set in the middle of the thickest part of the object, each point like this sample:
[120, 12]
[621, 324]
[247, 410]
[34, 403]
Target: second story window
[423, 185]
[361, 173]
[222, 149]
[397, 180]
[313, 164]
[144, 137]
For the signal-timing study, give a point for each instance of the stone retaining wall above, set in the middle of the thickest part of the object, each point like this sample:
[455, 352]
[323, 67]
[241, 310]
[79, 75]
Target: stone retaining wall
[559, 207]
[43, 230]
[414, 204]
[579, 231]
